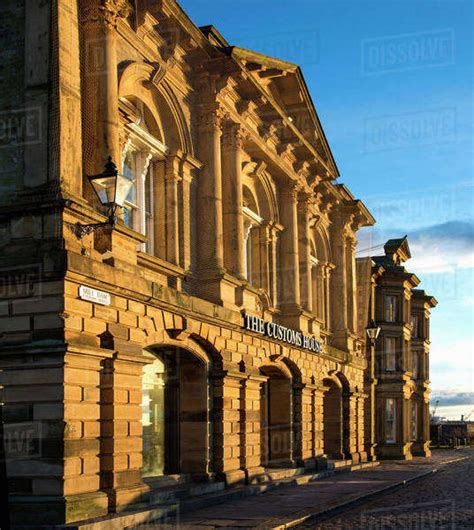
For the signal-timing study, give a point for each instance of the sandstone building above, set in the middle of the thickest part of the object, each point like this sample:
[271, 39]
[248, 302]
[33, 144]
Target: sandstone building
[402, 356]
[216, 330]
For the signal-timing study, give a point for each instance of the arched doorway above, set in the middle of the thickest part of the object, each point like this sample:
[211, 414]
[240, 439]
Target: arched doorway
[175, 413]
[276, 418]
[333, 419]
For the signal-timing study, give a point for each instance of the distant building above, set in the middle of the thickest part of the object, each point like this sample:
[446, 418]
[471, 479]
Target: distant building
[401, 356]
[452, 432]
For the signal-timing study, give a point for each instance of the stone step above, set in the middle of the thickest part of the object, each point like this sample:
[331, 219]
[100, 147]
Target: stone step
[176, 493]
[181, 498]
[278, 474]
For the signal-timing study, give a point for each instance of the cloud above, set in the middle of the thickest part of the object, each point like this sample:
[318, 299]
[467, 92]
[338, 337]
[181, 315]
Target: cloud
[453, 398]
[440, 248]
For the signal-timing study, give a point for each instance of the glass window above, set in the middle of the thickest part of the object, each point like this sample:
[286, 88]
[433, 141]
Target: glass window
[391, 308]
[414, 421]
[153, 418]
[129, 170]
[415, 364]
[415, 323]
[390, 354]
[390, 421]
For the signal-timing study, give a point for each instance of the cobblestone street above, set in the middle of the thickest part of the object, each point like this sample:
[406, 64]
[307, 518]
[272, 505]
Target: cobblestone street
[443, 500]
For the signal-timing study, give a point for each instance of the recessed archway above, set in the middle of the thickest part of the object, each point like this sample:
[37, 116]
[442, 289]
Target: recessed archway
[333, 419]
[276, 435]
[175, 413]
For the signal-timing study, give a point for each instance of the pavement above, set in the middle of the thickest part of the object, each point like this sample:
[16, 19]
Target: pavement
[418, 494]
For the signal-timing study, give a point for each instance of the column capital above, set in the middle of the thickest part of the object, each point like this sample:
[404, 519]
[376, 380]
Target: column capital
[211, 117]
[290, 189]
[306, 201]
[108, 12]
[234, 135]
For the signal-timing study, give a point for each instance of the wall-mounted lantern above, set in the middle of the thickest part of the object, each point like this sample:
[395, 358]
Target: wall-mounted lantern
[372, 331]
[112, 189]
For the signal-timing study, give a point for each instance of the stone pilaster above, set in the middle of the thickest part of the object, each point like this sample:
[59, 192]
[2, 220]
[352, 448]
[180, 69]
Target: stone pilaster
[172, 180]
[250, 441]
[305, 425]
[100, 81]
[273, 254]
[209, 191]
[351, 283]
[304, 206]
[229, 416]
[185, 217]
[232, 143]
[289, 255]
[349, 426]
[121, 431]
[339, 275]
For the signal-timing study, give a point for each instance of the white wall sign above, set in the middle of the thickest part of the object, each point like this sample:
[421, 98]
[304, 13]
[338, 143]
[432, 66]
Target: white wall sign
[275, 331]
[93, 295]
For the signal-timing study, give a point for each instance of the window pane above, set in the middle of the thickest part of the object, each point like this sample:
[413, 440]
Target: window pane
[129, 172]
[390, 353]
[153, 419]
[128, 216]
[390, 421]
[414, 420]
[390, 308]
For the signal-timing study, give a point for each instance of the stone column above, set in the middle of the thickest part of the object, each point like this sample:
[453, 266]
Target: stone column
[297, 424]
[250, 442]
[185, 216]
[228, 414]
[309, 427]
[121, 431]
[304, 248]
[232, 142]
[265, 240]
[289, 256]
[209, 192]
[100, 82]
[351, 284]
[274, 265]
[339, 276]
[327, 301]
[172, 180]
[318, 428]
[349, 428]
[360, 427]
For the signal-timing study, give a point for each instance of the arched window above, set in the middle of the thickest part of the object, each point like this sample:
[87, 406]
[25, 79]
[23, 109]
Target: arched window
[140, 156]
[320, 270]
[252, 236]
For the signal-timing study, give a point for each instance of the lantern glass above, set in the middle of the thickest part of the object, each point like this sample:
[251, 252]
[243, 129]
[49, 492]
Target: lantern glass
[123, 188]
[373, 330]
[105, 188]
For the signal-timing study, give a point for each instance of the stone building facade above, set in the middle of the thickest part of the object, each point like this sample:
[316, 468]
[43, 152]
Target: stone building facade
[401, 362]
[215, 331]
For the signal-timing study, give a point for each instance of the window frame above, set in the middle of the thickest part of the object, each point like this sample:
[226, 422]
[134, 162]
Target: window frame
[148, 150]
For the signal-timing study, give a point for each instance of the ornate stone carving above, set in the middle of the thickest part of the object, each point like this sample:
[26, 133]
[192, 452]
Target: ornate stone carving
[234, 136]
[113, 10]
[108, 12]
[211, 118]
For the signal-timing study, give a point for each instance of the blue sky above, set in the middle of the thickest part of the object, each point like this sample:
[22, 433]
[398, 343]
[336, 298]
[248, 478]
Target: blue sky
[392, 82]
